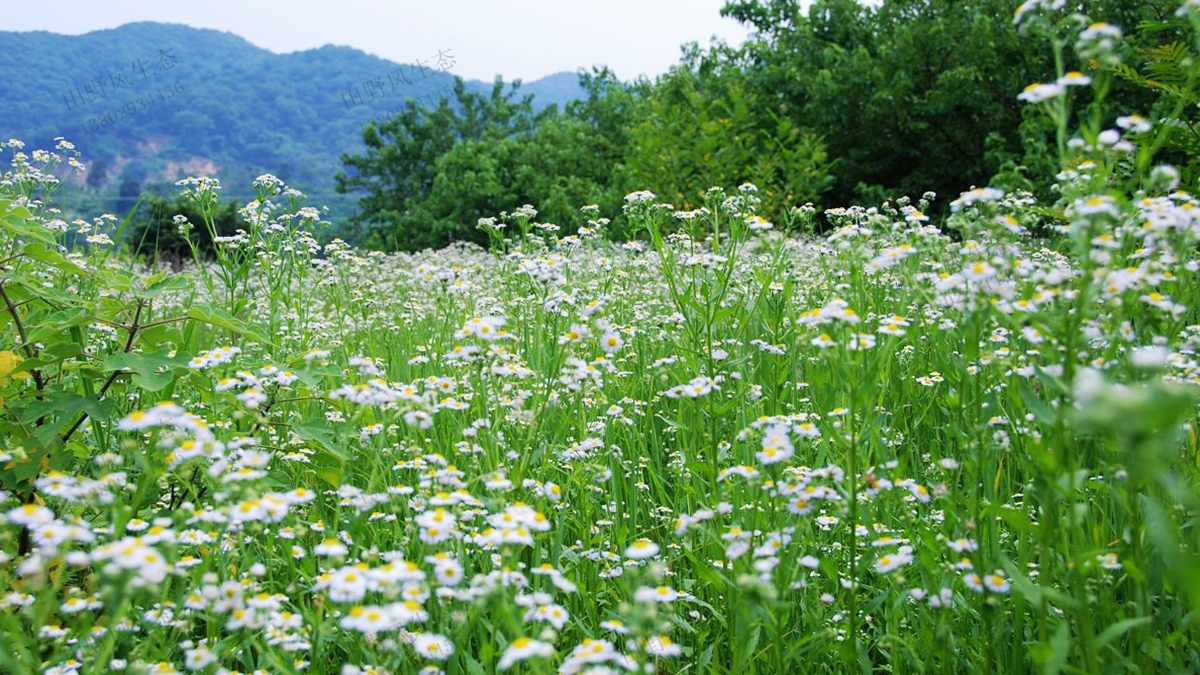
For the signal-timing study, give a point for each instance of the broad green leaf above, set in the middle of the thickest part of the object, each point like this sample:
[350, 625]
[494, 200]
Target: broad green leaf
[329, 461]
[15, 221]
[57, 409]
[222, 319]
[163, 283]
[58, 323]
[321, 434]
[1040, 409]
[151, 372]
[41, 253]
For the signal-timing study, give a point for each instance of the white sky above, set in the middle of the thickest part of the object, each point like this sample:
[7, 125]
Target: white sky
[525, 39]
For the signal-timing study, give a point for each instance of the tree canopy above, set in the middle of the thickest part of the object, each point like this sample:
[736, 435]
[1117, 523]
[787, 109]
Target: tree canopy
[835, 104]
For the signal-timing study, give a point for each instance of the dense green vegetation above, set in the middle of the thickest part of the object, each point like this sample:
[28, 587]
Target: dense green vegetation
[431, 174]
[912, 443]
[841, 103]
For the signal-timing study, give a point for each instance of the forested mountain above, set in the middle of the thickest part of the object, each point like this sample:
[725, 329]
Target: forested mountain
[148, 103]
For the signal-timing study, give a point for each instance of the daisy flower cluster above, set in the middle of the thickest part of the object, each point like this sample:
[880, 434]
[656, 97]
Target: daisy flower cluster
[928, 440]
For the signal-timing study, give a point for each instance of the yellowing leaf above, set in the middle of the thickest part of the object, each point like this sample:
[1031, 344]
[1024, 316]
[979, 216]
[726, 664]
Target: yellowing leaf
[8, 363]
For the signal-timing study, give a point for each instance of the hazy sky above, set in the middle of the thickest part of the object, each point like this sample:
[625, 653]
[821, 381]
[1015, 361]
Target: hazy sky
[520, 38]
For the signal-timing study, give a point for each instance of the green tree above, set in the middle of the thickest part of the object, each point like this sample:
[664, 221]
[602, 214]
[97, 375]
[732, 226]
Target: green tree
[1169, 68]
[128, 193]
[428, 176]
[706, 124]
[396, 176]
[913, 95]
[904, 93]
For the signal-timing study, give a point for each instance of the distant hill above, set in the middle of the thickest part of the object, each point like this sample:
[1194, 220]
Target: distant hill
[198, 101]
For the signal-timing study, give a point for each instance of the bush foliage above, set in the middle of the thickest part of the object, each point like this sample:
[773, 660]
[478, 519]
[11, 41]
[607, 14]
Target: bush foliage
[838, 103]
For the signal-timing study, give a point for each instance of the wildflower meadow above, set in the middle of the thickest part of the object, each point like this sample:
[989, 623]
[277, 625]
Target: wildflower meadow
[854, 440]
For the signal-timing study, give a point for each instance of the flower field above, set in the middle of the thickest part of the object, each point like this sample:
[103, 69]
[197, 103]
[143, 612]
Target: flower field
[725, 446]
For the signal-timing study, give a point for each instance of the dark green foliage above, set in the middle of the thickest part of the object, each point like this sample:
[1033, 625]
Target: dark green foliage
[904, 94]
[706, 124]
[97, 174]
[128, 193]
[400, 170]
[916, 95]
[154, 234]
[428, 176]
[838, 103]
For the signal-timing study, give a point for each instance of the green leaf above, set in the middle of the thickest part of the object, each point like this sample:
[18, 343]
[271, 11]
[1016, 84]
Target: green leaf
[1054, 655]
[321, 434]
[151, 372]
[41, 253]
[1118, 629]
[15, 221]
[80, 451]
[52, 354]
[1040, 409]
[20, 471]
[706, 656]
[53, 327]
[1016, 519]
[474, 667]
[222, 319]
[313, 373]
[59, 408]
[162, 283]
[329, 462]
[60, 351]
[7, 209]
[122, 280]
